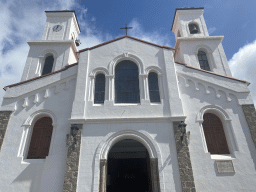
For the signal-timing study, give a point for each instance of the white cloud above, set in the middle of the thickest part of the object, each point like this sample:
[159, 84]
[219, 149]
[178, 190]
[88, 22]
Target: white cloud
[24, 20]
[243, 66]
[211, 30]
[21, 21]
[154, 37]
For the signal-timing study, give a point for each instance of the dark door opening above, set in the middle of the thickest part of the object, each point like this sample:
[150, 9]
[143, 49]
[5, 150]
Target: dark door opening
[128, 168]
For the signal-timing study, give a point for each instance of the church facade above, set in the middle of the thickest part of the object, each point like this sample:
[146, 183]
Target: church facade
[127, 115]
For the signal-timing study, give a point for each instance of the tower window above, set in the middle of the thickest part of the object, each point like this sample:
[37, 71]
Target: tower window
[99, 95]
[40, 139]
[178, 34]
[193, 28]
[48, 64]
[127, 82]
[153, 87]
[214, 134]
[203, 61]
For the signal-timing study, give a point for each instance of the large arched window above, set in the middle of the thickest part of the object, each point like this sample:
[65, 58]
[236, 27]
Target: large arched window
[214, 134]
[41, 139]
[48, 64]
[127, 82]
[99, 95]
[153, 87]
[203, 61]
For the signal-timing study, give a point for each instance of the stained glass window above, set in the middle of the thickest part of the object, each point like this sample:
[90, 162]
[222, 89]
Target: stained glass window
[48, 64]
[127, 82]
[153, 87]
[203, 61]
[99, 95]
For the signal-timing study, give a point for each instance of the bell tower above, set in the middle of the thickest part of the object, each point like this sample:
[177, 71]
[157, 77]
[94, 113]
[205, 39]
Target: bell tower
[194, 46]
[57, 48]
[61, 25]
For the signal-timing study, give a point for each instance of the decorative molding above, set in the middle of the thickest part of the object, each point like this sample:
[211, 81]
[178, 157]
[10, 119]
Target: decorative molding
[196, 83]
[132, 57]
[140, 136]
[38, 114]
[98, 70]
[155, 69]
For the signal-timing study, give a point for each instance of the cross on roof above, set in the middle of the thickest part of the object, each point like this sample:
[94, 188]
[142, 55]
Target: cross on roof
[126, 28]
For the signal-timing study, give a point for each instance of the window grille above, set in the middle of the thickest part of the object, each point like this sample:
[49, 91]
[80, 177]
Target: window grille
[48, 64]
[127, 82]
[203, 61]
[99, 95]
[153, 87]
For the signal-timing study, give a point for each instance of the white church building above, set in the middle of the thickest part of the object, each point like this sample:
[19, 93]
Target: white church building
[127, 115]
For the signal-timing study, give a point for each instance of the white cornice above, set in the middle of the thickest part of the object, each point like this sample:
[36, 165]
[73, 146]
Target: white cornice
[128, 120]
[40, 42]
[200, 38]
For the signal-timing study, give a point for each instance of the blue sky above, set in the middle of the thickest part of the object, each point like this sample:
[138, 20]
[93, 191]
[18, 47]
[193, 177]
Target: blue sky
[151, 20]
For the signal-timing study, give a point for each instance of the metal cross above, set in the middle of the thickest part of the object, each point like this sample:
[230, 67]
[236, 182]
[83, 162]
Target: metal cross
[126, 28]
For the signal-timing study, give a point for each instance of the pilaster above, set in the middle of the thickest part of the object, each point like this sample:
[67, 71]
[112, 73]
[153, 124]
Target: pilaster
[4, 120]
[185, 168]
[72, 164]
[250, 116]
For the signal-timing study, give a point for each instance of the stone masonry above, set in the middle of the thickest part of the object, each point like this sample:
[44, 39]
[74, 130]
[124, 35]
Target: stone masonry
[250, 116]
[72, 163]
[185, 168]
[4, 120]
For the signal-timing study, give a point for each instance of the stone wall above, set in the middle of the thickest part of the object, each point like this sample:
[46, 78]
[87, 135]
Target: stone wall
[72, 163]
[250, 116]
[4, 120]
[185, 168]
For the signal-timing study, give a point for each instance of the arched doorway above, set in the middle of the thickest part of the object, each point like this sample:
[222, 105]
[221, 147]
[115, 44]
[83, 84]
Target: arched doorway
[128, 168]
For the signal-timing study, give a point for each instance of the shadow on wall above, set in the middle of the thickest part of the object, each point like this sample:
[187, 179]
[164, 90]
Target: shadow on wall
[31, 174]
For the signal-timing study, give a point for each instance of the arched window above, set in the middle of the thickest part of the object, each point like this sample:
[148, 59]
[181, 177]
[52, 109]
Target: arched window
[99, 95]
[153, 87]
[193, 28]
[214, 134]
[203, 61]
[127, 82]
[48, 64]
[178, 34]
[40, 139]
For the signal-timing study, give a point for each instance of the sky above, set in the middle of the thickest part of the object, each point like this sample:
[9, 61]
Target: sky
[101, 20]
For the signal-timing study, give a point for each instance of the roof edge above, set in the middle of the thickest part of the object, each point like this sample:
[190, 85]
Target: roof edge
[66, 11]
[22, 82]
[184, 8]
[105, 43]
[186, 65]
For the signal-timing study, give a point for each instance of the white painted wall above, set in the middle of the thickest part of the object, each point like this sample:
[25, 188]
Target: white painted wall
[95, 137]
[198, 91]
[68, 97]
[17, 173]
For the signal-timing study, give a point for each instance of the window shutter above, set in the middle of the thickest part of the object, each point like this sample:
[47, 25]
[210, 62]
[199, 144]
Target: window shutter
[40, 139]
[214, 134]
